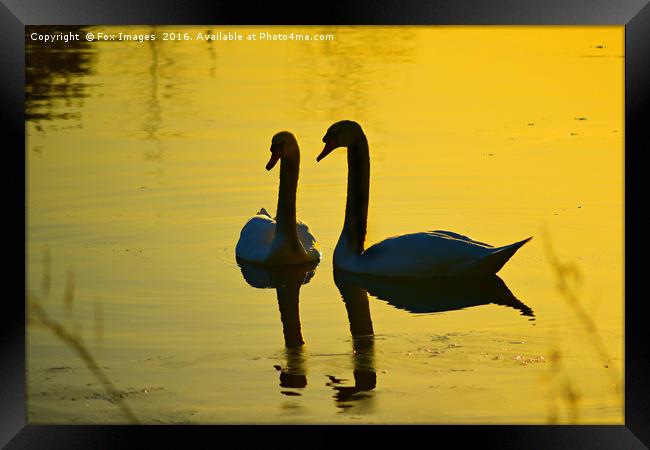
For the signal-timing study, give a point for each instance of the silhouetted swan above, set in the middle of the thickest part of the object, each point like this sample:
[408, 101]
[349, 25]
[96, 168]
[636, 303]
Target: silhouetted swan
[283, 241]
[422, 255]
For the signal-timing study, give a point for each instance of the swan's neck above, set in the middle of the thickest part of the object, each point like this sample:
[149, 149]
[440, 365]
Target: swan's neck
[286, 212]
[353, 235]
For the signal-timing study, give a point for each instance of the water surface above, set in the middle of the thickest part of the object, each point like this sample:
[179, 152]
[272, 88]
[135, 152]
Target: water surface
[144, 160]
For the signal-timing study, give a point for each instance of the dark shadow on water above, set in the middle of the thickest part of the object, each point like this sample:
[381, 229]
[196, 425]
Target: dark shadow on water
[435, 295]
[286, 281]
[55, 74]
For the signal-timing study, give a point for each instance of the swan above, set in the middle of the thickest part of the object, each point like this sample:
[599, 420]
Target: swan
[421, 255]
[283, 240]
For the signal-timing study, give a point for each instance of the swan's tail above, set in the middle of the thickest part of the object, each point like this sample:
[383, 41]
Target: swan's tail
[493, 262]
[264, 212]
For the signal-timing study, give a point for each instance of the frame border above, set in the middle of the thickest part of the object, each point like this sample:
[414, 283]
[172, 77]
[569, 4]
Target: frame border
[16, 14]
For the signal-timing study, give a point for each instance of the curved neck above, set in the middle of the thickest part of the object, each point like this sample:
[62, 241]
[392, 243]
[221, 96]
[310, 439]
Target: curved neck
[286, 211]
[353, 235]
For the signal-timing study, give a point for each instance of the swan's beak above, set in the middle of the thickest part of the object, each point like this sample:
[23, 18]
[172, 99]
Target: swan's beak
[329, 146]
[275, 156]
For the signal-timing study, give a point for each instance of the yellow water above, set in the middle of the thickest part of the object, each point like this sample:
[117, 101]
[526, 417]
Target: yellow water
[144, 160]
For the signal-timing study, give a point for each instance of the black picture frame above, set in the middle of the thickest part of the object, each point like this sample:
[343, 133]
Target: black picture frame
[16, 14]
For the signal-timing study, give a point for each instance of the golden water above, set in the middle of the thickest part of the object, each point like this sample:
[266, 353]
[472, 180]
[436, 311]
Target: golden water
[144, 160]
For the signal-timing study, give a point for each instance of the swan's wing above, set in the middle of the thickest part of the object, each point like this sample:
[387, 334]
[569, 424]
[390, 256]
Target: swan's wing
[460, 236]
[264, 212]
[307, 239]
[255, 239]
[432, 254]
[426, 254]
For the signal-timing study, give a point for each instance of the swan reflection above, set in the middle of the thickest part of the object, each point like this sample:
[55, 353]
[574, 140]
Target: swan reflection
[363, 346]
[435, 294]
[413, 295]
[286, 280]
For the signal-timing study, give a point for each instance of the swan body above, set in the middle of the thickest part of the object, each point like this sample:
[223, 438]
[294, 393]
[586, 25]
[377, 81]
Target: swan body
[282, 240]
[258, 240]
[421, 255]
[425, 255]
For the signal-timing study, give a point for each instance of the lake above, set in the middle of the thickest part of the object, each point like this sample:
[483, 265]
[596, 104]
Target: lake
[145, 158]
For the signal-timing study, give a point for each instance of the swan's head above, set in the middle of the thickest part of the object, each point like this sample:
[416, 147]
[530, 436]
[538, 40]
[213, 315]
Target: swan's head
[340, 134]
[283, 144]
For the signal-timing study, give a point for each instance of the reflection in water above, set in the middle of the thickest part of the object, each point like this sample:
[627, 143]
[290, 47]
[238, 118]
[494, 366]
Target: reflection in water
[413, 295]
[153, 119]
[54, 74]
[211, 52]
[152, 124]
[294, 374]
[363, 345]
[287, 281]
[346, 68]
[436, 294]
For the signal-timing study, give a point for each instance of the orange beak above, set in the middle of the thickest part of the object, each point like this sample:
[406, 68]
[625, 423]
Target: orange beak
[275, 156]
[329, 146]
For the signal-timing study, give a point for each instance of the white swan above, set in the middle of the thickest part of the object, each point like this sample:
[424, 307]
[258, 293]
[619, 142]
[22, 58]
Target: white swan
[283, 241]
[422, 255]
